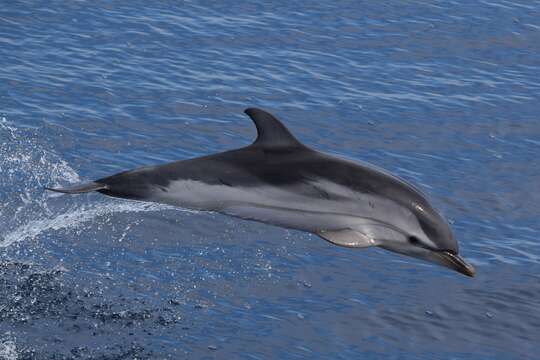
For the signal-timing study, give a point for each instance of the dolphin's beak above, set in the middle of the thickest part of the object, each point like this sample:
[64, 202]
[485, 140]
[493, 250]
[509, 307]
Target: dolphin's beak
[455, 262]
[445, 258]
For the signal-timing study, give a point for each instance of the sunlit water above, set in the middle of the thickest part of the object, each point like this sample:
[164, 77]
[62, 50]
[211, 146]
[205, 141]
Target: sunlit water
[443, 94]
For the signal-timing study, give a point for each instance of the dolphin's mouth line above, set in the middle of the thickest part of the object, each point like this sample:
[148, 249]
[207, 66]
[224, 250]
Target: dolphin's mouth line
[456, 262]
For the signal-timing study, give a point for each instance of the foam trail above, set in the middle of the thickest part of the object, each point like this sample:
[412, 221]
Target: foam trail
[75, 217]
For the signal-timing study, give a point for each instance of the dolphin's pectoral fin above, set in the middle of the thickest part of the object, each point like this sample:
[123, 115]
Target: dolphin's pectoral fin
[347, 238]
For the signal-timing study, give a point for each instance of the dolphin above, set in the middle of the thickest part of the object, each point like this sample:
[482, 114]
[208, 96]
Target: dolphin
[280, 181]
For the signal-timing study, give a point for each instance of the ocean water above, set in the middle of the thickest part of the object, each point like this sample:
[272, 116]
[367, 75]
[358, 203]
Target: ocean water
[445, 94]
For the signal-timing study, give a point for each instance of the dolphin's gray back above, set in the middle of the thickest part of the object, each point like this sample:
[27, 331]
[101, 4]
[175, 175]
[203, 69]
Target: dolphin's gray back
[254, 166]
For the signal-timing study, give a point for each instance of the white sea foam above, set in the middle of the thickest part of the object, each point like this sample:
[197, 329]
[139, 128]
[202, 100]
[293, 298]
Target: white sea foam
[8, 348]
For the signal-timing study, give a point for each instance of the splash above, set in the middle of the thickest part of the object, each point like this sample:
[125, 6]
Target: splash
[27, 211]
[26, 166]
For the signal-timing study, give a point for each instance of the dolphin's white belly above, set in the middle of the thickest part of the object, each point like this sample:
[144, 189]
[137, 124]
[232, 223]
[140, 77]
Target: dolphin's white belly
[286, 206]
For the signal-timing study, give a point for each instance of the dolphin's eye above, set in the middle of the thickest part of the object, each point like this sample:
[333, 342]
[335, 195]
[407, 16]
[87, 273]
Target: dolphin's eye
[414, 240]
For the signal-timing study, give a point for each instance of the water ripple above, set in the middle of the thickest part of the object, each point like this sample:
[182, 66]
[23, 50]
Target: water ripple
[441, 93]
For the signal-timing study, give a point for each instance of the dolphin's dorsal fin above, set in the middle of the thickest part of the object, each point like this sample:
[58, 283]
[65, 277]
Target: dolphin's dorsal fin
[270, 131]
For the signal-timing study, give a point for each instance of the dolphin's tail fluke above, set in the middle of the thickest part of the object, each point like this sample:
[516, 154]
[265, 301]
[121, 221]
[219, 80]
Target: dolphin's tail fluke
[81, 188]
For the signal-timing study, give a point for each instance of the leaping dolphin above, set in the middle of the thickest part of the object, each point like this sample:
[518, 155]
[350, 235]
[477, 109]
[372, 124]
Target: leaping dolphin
[280, 181]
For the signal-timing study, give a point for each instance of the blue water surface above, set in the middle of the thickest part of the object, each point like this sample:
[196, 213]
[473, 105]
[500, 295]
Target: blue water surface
[445, 94]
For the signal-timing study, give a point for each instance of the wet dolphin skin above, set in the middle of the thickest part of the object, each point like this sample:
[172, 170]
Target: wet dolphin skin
[280, 181]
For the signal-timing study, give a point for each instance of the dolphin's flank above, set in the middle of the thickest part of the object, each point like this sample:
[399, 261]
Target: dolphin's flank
[280, 181]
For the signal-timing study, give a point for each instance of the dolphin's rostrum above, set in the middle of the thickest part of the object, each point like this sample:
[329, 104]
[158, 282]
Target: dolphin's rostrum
[280, 181]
